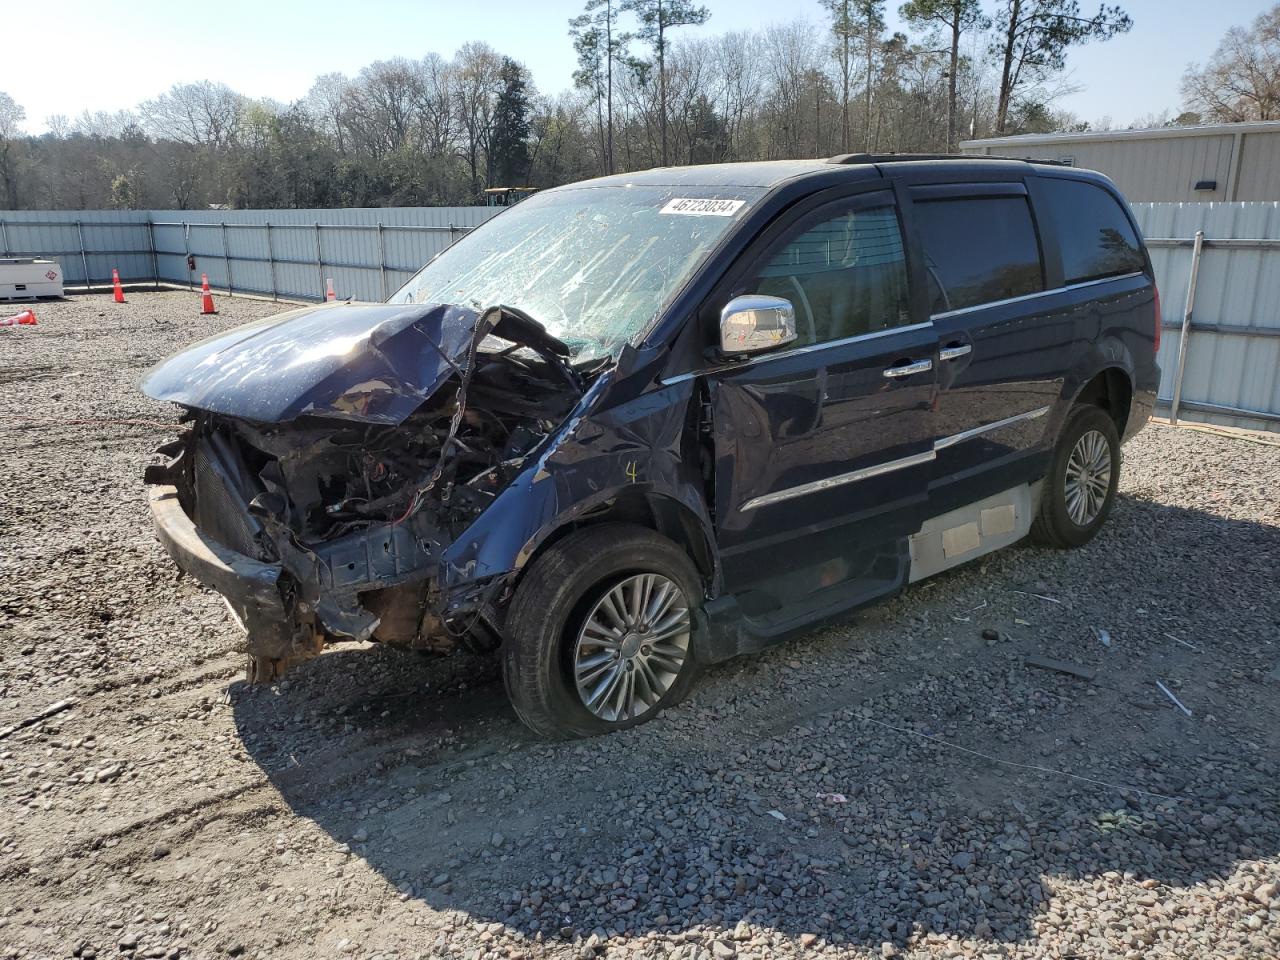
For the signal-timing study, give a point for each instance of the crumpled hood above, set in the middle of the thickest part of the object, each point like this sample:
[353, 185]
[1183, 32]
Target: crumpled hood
[373, 363]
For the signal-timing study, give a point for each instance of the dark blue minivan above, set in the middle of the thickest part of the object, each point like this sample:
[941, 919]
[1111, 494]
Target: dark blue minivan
[644, 423]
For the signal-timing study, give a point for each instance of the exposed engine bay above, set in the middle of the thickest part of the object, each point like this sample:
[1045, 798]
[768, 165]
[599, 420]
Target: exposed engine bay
[355, 515]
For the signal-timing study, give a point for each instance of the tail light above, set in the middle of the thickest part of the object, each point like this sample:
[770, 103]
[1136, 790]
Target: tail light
[1158, 324]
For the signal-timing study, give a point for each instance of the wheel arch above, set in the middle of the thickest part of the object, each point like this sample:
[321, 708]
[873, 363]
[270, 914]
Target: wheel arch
[663, 514]
[1111, 388]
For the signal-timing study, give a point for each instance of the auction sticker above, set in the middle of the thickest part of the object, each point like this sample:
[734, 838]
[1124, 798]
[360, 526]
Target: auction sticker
[703, 208]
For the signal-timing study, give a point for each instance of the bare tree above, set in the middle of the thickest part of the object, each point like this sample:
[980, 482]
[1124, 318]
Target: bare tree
[701, 133]
[104, 124]
[11, 117]
[911, 102]
[736, 57]
[842, 26]
[793, 55]
[205, 114]
[437, 92]
[479, 82]
[868, 22]
[326, 102]
[1241, 81]
[559, 138]
[381, 105]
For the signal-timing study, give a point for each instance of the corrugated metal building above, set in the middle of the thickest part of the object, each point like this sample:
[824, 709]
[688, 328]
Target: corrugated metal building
[1225, 161]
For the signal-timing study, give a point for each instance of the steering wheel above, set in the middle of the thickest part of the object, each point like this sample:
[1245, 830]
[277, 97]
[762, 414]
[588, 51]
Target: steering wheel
[808, 311]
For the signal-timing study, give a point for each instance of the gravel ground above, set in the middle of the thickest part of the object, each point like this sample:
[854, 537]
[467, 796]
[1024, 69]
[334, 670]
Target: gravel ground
[899, 785]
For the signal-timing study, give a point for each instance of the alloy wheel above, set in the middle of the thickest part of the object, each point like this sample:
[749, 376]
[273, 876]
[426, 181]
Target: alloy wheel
[1088, 478]
[632, 647]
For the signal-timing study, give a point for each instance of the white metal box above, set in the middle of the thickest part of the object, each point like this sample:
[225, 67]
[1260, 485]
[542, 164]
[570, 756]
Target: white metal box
[25, 278]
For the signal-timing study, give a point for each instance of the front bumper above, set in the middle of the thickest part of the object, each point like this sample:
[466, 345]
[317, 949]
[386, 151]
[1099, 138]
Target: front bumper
[377, 583]
[251, 588]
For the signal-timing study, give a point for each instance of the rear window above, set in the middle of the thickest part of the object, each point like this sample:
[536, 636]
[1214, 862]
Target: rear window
[1096, 237]
[978, 250]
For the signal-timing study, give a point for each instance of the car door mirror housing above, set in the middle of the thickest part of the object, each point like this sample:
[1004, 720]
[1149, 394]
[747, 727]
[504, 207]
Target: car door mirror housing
[754, 323]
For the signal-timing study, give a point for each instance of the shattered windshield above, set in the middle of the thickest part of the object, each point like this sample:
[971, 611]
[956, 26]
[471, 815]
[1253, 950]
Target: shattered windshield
[594, 265]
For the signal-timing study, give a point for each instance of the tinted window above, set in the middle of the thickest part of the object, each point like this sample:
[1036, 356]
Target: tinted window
[1096, 237]
[978, 250]
[844, 270]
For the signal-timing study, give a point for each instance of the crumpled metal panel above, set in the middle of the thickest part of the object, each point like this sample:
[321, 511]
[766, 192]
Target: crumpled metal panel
[371, 363]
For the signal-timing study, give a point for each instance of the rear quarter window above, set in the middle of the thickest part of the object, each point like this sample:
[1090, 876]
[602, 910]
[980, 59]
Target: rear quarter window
[978, 250]
[1094, 234]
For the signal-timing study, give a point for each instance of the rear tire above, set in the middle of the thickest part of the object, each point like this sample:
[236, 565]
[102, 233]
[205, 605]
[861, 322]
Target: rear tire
[565, 643]
[1080, 487]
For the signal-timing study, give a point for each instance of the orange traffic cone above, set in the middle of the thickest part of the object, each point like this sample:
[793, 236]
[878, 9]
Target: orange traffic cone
[27, 318]
[328, 289]
[206, 297]
[118, 291]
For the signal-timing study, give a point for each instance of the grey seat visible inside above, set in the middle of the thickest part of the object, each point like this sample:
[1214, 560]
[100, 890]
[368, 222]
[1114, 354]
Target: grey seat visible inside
[845, 276]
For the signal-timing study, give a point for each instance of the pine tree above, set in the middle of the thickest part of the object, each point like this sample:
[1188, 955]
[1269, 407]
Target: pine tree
[656, 18]
[957, 17]
[509, 159]
[600, 46]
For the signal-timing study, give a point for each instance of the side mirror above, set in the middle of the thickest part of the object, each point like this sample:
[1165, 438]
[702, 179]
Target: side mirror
[752, 323]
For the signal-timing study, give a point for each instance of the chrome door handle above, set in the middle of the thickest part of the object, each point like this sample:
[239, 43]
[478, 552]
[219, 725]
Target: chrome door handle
[907, 369]
[955, 353]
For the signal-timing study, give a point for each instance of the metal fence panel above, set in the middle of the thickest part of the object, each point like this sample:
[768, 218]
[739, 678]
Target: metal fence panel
[368, 252]
[1231, 371]
[86, 243]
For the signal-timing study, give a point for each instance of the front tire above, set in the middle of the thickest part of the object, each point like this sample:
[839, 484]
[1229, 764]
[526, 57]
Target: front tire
[1080, 488]
[600, 632]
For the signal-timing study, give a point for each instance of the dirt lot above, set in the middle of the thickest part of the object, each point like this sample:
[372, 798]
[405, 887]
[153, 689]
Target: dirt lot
[897, 785]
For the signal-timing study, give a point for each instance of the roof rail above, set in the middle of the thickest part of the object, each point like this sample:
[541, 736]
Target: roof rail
[849, 158]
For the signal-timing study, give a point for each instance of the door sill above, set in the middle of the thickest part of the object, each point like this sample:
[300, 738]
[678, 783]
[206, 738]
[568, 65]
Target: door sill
[972, 531]
[734, 632]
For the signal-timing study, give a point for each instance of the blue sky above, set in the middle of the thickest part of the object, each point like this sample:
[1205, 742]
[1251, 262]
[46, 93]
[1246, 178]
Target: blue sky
[110, 56]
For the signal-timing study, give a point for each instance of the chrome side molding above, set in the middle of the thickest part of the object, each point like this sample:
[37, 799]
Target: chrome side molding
[853, 476]
[889, 466]
[955, 438]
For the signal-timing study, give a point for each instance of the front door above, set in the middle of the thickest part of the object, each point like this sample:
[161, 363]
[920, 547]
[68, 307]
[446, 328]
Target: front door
[823, 447]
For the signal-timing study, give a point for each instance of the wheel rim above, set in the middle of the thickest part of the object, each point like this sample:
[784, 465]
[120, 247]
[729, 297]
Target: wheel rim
[632, 647]
[1088, 478]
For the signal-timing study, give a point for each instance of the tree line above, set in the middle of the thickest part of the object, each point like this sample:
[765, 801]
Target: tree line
[650, 88]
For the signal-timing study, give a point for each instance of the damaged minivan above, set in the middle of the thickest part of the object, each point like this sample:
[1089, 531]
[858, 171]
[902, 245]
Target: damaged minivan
[644, 423]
